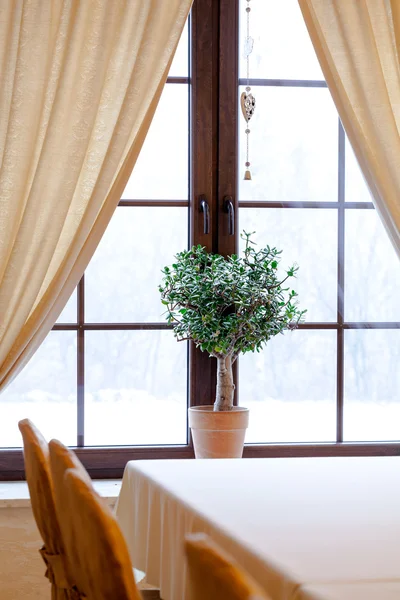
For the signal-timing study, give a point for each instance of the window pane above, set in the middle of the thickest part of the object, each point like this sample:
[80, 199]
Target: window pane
[307, 237]
[372, 384]
[121, 282]
[356, 190]
[136, 384]
[180, 64]
[290, 388]
[45, 392]
[293, 146]
[282, 46]
[69, 314]
[372, 269]
[161, 171]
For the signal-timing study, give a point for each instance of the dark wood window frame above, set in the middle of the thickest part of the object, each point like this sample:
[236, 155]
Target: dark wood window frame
[213, 173]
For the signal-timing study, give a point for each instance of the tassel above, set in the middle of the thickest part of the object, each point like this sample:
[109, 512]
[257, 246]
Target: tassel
[247, 175]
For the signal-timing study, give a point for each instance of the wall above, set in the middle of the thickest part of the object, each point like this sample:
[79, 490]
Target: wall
[21, 566]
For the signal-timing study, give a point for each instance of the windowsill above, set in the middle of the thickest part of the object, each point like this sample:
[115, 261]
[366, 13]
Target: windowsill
[15, 494]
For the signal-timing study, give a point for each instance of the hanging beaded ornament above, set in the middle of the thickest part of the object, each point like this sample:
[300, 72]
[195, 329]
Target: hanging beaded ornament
[247, 100]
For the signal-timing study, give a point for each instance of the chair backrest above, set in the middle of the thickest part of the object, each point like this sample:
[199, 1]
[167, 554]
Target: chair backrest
[38, 477]
[41, 490]
[96, 541]
[62, 459]
[215, 575]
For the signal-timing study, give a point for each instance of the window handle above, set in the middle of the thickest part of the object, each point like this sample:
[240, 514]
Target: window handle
[205, 209]
[230, 209]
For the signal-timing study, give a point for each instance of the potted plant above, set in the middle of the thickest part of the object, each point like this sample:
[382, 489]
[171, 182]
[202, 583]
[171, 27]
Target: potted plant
[227, 306]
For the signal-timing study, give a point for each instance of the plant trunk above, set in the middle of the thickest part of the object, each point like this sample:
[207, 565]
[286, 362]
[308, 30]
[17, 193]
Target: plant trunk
[225, 385]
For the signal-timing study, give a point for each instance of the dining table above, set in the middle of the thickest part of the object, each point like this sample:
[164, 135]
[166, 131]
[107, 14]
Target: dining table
[304, 528]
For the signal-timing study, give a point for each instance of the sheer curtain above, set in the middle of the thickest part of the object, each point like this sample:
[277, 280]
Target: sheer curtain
[357, 43]
[80, 82]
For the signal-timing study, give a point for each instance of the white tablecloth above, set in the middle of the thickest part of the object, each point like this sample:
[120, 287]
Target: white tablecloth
[382, 590]
[291, 523]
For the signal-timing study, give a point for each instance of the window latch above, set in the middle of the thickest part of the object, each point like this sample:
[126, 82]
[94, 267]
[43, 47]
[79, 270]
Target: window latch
[230, 210]
[205, 209]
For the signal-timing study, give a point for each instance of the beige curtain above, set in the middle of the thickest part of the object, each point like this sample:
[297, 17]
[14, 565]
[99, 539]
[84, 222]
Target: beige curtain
[358, 44]
[79, 83]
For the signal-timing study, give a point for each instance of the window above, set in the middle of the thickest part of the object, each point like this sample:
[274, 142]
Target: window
[110, 373]
[110, 378]
[335, 379]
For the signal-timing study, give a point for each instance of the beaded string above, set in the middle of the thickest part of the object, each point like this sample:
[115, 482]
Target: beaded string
[247, 100]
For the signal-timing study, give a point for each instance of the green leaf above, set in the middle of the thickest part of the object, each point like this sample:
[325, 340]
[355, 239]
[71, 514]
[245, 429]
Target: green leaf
[237, 300]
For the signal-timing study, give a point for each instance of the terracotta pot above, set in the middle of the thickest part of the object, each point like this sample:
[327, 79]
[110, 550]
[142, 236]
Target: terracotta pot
[218, 434]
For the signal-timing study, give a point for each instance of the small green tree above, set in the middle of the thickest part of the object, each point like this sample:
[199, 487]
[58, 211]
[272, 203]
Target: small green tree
[229, 305]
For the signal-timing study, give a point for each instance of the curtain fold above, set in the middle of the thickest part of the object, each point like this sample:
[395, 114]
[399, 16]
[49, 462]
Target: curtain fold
[357, 44]
[80, 82]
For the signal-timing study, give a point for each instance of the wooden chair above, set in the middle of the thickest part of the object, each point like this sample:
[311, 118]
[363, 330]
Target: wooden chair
[214, 575]
[95, 543]
[38, 476]
[62, 459]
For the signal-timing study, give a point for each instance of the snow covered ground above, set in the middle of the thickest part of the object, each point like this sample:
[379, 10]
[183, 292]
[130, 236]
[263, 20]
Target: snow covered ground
[133, 417]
